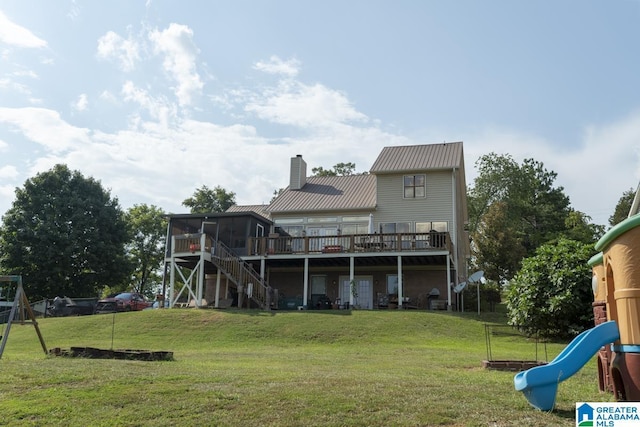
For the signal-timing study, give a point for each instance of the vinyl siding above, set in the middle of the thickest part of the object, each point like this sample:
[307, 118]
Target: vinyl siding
[393, 207]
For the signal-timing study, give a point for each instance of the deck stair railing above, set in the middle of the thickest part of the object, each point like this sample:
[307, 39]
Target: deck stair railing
[242, 274]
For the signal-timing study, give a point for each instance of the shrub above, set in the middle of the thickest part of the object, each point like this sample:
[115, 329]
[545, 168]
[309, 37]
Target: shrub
[551, 295]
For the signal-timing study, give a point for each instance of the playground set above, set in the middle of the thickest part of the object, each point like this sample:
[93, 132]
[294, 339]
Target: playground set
[22, 312]
[616, 335]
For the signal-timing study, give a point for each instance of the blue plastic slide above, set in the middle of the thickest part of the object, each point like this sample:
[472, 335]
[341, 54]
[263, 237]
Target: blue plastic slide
[540, 384]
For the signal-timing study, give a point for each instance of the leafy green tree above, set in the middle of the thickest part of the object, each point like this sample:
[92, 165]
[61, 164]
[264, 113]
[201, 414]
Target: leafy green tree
[276, 193]
[339, 169]
[623, 207]
[65, 235]
[551, 295]
[206, 200]
[578, 227]
[498, 244]
[147, 226]
[534, 211]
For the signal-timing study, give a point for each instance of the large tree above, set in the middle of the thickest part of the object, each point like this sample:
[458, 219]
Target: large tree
[498, 244]
[147, 226]
[552, 295]
[533, 209]
[206, 200]
[623, 207]
[578, 226]
[65, 235]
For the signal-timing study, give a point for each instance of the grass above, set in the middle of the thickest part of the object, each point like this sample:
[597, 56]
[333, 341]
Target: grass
[236, 368]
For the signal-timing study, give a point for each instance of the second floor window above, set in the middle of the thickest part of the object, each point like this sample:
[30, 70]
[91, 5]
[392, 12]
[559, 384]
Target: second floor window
[415, 186]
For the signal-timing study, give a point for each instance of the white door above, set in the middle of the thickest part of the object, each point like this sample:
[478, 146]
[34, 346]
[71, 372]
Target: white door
[364, 286]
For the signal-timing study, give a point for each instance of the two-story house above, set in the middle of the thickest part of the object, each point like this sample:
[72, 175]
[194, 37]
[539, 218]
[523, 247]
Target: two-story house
[392, 238]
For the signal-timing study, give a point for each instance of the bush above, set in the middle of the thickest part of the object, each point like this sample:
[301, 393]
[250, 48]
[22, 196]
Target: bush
[551, 295]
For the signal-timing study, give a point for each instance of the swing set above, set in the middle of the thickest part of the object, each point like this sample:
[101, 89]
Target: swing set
[20, 303]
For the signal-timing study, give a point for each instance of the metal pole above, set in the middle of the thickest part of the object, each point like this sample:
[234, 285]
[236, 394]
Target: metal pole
[635, 204]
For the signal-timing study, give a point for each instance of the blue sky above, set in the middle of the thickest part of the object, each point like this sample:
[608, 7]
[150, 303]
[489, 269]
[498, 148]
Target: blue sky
[158, 98]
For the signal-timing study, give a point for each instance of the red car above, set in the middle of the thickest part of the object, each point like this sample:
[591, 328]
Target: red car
[126, 301]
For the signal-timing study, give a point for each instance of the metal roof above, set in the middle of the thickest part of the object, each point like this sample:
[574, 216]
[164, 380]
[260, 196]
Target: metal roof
[214, 215]
[418, 158]
[329, 193]
[258, 209]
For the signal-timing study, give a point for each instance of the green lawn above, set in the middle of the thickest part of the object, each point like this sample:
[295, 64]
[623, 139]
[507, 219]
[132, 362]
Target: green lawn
[252, 368]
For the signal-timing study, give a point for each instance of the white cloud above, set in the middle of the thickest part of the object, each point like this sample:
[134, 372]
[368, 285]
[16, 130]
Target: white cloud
[594, 174]
[159, 108]
[297, 104]
[108, 96]
[3, 146]
[74, 11]
[7, 194]
[45, 127]
[126, 52]
[9, 84]
[17, 35]
[25, 73]
[8, 172]
[81, 103]
[275, 65]
[179, 50]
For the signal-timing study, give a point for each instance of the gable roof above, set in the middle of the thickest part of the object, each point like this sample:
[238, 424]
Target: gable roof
[418, 158]
[329, 193]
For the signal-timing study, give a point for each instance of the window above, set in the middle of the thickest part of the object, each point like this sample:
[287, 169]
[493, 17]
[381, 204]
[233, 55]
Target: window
[348, 229]
[415, 186]
[395, 227]
[318, 285]
[387, 227]
[289, 220]
[363, 218]
[322, 219]
[425, 227]
[293, 230]
[392, 284]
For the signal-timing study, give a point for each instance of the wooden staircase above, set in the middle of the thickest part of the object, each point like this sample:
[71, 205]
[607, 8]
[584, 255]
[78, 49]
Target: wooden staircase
[247, 280]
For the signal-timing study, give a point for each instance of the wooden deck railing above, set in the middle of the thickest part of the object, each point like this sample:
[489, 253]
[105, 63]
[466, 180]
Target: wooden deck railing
[242, 274]
[395, 242]
[191, 243]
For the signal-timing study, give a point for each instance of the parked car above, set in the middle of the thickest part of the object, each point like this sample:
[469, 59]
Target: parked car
[65, 306]
[125, 301]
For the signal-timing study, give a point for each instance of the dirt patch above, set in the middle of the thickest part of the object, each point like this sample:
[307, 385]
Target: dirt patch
[98, 353]
[511, 365]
